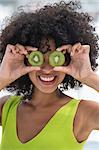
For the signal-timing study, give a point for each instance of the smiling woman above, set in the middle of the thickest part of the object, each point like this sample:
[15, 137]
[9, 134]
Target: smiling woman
[40, 116]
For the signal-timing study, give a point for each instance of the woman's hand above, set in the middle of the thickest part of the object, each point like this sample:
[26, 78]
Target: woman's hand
[80, 66]
[12, 66]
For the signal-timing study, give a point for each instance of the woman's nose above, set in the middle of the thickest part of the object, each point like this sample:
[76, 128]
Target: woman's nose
[46, 67]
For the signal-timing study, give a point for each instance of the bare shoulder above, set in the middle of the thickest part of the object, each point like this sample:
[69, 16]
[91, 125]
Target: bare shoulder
[90, 112]
[89, 105]
[2, 102]
[87, 115]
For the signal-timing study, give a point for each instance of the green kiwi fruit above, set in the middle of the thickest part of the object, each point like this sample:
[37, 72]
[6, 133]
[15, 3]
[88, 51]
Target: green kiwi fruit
[35, 58]
[56, 58]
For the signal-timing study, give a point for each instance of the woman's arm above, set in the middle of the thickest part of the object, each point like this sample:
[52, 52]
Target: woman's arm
[80, 65]
[92, 80]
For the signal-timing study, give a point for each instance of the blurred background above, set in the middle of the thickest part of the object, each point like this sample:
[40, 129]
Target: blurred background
[7, 7]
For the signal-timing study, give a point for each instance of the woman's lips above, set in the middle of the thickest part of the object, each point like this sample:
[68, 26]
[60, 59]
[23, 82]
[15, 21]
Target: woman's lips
[47, 80]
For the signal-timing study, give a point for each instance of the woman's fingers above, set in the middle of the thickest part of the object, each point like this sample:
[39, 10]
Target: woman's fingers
[63, 69]
[30, 69]
[25, 50]
[75, 49]
[21, 49]
[30, 48]
[86, 48]
[10, 48]
[65, 48]
[78, 49]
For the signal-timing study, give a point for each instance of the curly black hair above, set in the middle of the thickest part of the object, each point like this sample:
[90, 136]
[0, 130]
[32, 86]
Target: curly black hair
[62, 21]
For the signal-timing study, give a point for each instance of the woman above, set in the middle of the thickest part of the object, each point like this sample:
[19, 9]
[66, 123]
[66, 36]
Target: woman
[40, 116]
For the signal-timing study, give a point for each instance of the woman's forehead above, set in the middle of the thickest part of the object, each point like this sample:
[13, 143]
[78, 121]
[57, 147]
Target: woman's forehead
[47, 44]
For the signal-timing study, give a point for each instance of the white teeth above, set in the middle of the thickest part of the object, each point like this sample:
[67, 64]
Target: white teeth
[47, 78]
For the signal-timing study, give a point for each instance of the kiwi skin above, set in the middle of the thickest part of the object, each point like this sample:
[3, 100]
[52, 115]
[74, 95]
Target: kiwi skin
[40, 58]
[59, 56]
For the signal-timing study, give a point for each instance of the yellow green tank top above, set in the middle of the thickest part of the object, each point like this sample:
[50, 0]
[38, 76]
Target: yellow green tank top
[56, 135]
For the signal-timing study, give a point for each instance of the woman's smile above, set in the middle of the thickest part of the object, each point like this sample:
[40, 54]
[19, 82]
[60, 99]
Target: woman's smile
[47, 79]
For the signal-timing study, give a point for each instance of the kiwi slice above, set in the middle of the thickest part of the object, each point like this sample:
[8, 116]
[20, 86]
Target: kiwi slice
[56, 58]
[36, 58]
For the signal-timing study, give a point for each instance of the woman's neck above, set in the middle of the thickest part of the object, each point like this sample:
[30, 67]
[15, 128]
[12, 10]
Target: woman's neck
[43, 99]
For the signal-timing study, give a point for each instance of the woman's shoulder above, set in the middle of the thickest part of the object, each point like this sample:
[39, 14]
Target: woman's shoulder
[88, 105]
[3, 100]
[7, 102]
[8, 99]
[88, 110]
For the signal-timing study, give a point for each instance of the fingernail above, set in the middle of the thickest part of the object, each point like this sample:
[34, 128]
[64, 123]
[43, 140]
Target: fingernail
[64, 52]
[58, 49]
[54, 68]
[71, 54]
[27, 55]
[35, 49]
[26, 52]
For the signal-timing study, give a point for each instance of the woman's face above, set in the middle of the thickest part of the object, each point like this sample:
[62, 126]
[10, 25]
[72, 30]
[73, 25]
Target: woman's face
[46, 80]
